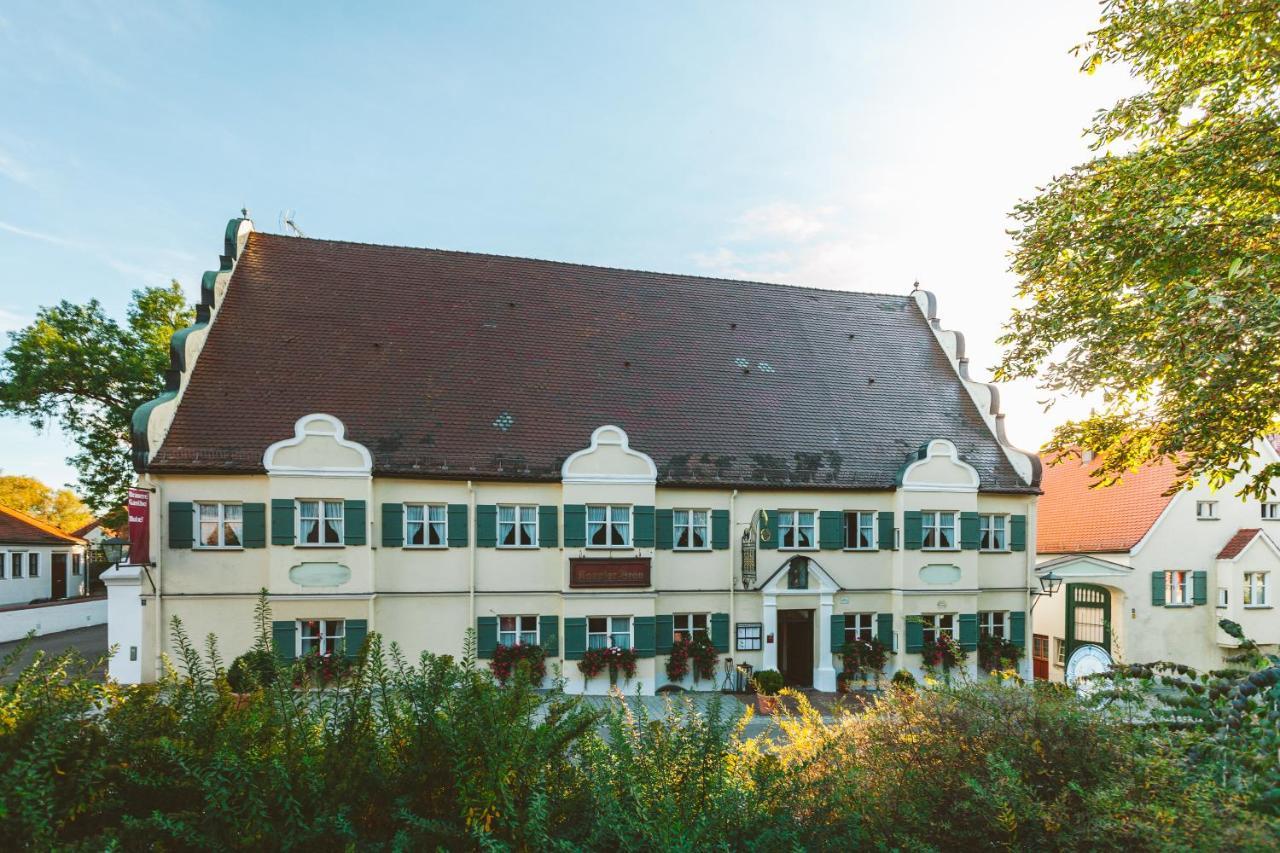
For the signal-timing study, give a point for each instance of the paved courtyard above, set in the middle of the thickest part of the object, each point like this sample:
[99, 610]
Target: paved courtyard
[91, 642]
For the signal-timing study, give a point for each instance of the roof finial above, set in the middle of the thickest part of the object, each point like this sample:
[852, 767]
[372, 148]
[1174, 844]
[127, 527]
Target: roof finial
[915, 285]
[244, 212]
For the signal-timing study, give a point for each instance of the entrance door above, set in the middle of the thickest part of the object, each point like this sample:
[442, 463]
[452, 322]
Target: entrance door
[795, 647]
[1088, 617]
[58, 577]
[1040, 657]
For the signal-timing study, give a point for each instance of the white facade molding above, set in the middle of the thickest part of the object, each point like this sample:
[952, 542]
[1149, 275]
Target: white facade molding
[1083, 566]
[609, 459]
[318, 437]
[824, 673]
[922, 475]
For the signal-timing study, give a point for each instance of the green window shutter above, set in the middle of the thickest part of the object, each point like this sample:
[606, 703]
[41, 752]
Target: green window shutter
[575, 532]
[666, 632]
[548, 526]
[181, 524]
[393, 525]
[457, 525]
[486, 526]
[643, 627]
[357, 630]
[1018, 628]
[642, 526]
[664, 536]
[355, 524]
[885, 534]
[720, 631]
[1157, 589]
[282, 531]
[912, 531]
[1018, 532]
[969, 535]
[770, 540]
[1199, 587]
[915, 634]
[837, 632]
[486, 636]
[884, 629]
[549, 634]
[720, 529]
[831, 530]
[575, 632]
[255, 525]
[284, 639]
[969, 631]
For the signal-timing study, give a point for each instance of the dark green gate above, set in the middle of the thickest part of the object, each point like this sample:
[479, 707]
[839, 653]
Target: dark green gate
[1088, 616]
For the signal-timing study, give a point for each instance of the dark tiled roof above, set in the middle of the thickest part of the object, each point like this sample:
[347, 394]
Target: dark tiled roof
[1237, 543]
[458, 365]
[18, 528]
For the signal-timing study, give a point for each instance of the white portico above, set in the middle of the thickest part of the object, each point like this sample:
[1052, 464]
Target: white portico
[801, 584]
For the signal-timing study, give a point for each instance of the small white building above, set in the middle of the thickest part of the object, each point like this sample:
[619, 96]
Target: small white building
[38, 562]
[1147, 575]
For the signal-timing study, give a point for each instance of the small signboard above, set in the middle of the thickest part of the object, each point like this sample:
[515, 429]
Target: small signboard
[749, 557]
[623, 573]
[139, 508]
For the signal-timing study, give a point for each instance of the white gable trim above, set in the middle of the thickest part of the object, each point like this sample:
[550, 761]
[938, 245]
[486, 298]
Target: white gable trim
[303, 429]
[935, 449]
[1155, 525]
[776, 584]
[609, 436]
[1083, 566]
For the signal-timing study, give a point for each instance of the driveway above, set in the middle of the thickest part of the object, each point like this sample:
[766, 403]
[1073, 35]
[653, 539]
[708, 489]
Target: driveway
[90, 642]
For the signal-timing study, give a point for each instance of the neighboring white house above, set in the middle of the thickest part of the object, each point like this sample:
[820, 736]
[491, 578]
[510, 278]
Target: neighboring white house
[38, 562]
[1147, 575]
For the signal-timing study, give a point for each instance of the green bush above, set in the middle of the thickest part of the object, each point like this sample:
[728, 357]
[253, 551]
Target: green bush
[767, 682]
[251, 670]
[904, 679]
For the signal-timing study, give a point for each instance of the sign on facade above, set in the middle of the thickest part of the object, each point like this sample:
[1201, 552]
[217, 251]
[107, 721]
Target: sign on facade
[614, 574]
[139, 508]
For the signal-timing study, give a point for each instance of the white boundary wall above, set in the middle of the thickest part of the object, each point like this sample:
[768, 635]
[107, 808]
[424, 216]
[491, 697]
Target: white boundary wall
[52, 618]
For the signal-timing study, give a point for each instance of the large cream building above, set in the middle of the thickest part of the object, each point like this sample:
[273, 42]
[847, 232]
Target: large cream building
[423, 443]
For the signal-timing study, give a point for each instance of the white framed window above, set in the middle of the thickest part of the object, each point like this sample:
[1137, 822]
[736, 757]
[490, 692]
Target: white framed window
[4, 566]
[1256, 592]
[517, 629]
[993, 623]
[993, 532]
[936, 624]
[939, 531]
[1177, 587]
[426, 525]
[321, 636]
[606, 631]
[1059, 651]
[608, 526]
[858, 626]
[33, 565]
[796, 528]
[16, 560]
[220, 525]
[517, 526]
[1206, 510]
[319, 522]
[685, 625]
[1222, 597]
[1271, 511]
[691, 529]
[76, 563]
[860, 531]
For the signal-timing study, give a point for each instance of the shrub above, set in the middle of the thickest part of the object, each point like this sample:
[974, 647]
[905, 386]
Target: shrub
[767, 682]
[904, 679]
[864, 657]
[253, 669]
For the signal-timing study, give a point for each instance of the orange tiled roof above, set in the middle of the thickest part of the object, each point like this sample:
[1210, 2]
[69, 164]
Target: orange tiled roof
[22, 529]
[1073, 517]
[1238, 543]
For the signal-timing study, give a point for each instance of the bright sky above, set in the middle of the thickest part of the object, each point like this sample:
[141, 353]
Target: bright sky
[859, 146]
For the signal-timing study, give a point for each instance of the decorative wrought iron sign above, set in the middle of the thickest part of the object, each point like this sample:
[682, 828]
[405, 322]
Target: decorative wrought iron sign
[626, 573]
[749, 556]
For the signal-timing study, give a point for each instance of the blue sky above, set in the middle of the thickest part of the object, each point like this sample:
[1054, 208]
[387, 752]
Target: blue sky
[851, 145]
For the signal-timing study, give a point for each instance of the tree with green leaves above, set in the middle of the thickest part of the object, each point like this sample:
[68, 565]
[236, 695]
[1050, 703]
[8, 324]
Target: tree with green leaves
[83, 370]
[1150, 272]
[60, 507]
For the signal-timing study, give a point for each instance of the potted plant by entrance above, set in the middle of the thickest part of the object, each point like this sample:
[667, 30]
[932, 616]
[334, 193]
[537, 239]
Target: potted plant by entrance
[767, 683]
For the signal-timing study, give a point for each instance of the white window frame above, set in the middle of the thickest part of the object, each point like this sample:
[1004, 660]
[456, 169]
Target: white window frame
[690, 527]
[790, 520]
[518, 631]
[1256, 592]
[1270, 510]
[1177, 580]
[987, 526]
[516, 524]
[1059, 651]
[1206, 510]
[428, 523]
[1223, 598]
[322, 505]
[611, 633]
[937, 527]
[610, 523]
[685, 625]
[4, 565]
[33, 564]
[863, 521]
[993, 623]
[325, 633]
[221, 522]
[859, 626]
[934, 623]
[77, 564]
[17, 565]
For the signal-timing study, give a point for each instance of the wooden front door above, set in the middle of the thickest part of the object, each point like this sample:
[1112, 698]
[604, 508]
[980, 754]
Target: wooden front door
[58, 576]
[1040, 657]
[795, 647]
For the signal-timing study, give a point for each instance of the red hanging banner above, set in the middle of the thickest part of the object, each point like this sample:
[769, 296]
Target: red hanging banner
[139, 527]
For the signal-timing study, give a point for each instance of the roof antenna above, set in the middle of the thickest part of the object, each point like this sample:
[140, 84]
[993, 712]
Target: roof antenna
[287, 224]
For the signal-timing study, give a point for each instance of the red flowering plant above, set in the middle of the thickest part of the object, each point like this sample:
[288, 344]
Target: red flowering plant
[613, 658]
[943, 652]
[315, 669]
[997, 653]
[696, 653]
[506, 659]
[864, 657]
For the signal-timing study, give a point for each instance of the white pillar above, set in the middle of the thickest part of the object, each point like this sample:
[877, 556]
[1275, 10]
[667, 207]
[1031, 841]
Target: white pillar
[124, 622]
[770, 631]
[824, 674]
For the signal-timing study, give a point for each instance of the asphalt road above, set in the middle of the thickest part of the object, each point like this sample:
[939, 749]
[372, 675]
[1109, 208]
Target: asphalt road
[90, 642]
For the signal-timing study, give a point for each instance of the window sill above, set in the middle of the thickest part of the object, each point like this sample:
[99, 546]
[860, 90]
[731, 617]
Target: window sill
[1200, 518]
[804, 548]
[995, 550]
[1256, 606]
[695, 550]
[941, 550]
[1178, 606]
[424, 547]
[613, 547]
[515, 547]
[220, 548]
[860, 550]
[323, 547]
